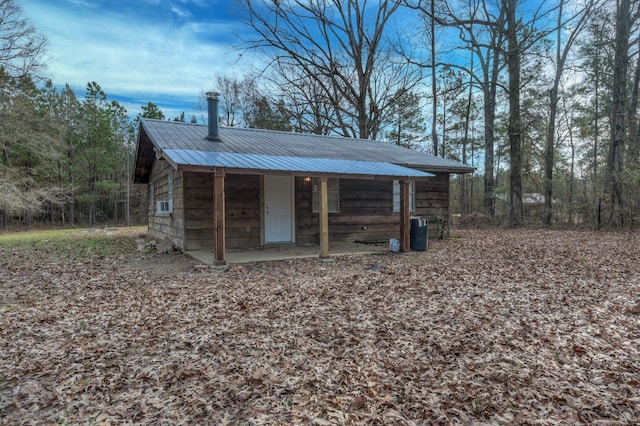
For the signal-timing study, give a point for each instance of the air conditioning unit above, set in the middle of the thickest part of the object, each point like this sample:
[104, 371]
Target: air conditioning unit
[164, 207]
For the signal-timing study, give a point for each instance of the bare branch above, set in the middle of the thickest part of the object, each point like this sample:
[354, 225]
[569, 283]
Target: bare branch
[22, 48]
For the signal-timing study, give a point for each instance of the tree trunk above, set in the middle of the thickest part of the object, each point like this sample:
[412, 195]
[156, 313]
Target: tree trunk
[91, 212]
[515, 126]
[72, 213]
[613, 181]
[490, 89]
[444, 121]
[467, 120]
[572, 174]
[434, 87]
[634, 137]
[92, 206]
[561, 57]
[596, 126]
[549, 160]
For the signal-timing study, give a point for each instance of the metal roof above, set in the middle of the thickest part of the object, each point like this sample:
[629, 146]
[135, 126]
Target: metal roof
[185, 145]
[287, 163]
[171, 135]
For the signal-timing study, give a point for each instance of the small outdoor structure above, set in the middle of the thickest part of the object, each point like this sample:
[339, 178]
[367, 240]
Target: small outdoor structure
[222, 188]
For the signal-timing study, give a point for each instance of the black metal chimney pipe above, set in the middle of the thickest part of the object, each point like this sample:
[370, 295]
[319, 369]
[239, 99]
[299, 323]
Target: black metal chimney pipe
[212, 109]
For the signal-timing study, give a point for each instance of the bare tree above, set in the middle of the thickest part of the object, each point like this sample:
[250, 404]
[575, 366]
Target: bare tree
[465, 139]
[434, 86]
[578, 21]
[634, 136]
[22, 51]
[515, 125]
[22, 48]
[231, 89]
[306, 101]
[521, 36]
[21, 56]
[487, 51]
[341, 46]
[481, 28]
[498, 40]
[613, 178]
[595, 50]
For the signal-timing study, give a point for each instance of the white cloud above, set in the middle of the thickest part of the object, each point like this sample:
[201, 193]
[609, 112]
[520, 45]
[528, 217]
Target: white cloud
[182, 13]
[82, 3]
[130, 56]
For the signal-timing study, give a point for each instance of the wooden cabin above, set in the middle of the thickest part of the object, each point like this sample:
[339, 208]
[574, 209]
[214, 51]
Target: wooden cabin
[225, 188]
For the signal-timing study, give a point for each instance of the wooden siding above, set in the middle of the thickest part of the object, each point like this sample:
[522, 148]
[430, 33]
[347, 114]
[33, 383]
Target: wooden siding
[366, 209]
[432, 196]
[167, 225]
[242, 211]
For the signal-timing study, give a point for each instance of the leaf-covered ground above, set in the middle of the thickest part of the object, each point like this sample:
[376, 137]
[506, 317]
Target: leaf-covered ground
[500, 327]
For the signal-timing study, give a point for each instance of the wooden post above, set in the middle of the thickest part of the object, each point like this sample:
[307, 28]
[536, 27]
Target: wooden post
[324, 219]
[218, 217]
[405, 224]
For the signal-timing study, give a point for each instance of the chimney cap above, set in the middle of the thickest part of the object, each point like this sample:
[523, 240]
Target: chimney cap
[212, 95]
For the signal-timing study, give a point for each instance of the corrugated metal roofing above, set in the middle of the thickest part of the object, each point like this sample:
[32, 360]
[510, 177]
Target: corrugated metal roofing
[288, 163]
[167, 135]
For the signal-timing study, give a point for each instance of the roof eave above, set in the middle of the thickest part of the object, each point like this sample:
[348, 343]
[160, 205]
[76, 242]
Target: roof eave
[247, 171]
[441, 169]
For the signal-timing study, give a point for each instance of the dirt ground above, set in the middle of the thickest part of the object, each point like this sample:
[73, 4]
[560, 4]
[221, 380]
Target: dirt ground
[493, 327]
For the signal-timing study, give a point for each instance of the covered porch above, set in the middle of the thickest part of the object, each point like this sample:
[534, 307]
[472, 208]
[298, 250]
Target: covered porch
[221, 166]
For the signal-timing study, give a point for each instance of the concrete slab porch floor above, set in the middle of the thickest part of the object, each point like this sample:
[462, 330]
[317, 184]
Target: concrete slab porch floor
[289, 251]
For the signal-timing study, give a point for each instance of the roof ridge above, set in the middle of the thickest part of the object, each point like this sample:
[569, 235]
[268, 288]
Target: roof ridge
[157, 120]
[313, 135]
[251, 129]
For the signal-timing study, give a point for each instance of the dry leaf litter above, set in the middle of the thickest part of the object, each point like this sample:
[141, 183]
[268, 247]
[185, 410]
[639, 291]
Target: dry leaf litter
[499, 327]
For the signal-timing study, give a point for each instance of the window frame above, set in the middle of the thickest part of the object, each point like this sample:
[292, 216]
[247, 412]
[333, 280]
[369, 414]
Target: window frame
[333, 195]
[395, 199]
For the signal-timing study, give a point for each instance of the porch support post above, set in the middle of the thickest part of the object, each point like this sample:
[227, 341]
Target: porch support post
[404, 215]
[218, 217]
[324, 219]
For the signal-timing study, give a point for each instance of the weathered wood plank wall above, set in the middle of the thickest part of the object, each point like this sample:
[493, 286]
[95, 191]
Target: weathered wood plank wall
[366, 209]
[242, 211]
[167, 225]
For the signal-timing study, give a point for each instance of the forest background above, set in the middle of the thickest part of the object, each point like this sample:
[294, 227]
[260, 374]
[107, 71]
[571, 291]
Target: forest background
[540, 97]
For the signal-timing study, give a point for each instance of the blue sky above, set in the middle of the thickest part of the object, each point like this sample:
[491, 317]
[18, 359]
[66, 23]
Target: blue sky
[163, 51]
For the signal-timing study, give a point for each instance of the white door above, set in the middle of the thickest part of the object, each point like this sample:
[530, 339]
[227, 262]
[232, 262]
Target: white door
[278, 209]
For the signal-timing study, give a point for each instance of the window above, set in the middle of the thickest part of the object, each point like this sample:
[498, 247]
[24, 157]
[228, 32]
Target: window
[163, 207]
[396, 196]
[333, 195]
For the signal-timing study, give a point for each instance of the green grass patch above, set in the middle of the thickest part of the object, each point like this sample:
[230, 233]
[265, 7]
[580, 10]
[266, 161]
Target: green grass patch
[70, 244]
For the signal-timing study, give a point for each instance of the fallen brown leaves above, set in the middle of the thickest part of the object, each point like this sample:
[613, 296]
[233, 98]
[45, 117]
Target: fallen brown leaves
[502, 327]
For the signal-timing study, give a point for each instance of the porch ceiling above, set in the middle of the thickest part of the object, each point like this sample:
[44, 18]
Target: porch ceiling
[254, 163]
